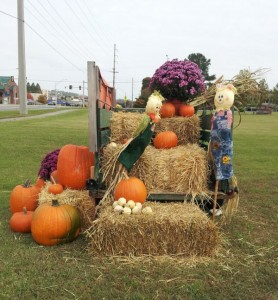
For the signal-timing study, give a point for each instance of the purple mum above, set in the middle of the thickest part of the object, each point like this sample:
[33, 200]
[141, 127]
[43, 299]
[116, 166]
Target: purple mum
[48, 164]
[178, 79]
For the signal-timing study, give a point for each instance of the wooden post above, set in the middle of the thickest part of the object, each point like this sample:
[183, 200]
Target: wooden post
[93, 91]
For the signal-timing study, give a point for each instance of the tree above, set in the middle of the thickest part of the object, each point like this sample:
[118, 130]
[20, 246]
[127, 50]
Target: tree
[42, 99]
[203, 64]
[38, 88]
[145, 93]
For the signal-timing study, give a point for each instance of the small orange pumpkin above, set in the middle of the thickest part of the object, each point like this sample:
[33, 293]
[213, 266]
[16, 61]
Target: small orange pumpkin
[73, 166]
[55, 188]
[21, 221]
[24, 195]
[167, 110]
[40, 183]
[53, 224]
[165, 140]
[131, 188]
[186, 110]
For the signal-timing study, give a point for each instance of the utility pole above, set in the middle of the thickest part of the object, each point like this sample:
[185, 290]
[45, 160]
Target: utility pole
[21, 58]
[114, 66]
[132, 91]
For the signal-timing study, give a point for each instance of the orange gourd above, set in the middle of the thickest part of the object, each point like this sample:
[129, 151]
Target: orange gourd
[165, 140]
[53, 224]
[40, 183]
[55, 188]
[21, 221]
[73, 166]
[186, 110]
[167, 110]
[24, 195]
[131, 188]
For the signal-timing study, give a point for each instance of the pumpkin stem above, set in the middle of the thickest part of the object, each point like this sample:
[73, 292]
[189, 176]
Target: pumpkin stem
[27, 183]
[24, 210]
[53, 179]
[55, 202]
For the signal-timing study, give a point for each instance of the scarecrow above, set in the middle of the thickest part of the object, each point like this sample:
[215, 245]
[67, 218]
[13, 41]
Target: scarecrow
[221, 145]
[125, 158]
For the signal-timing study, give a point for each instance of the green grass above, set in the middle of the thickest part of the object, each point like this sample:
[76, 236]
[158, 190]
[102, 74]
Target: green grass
[31, 112]
[244, 268]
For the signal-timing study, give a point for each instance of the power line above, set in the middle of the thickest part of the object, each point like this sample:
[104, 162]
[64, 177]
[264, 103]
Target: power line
[44, 41]
[58, 36]
[82, 24]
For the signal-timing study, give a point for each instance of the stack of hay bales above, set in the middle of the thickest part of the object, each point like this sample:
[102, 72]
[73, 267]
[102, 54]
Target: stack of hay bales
[183, 169]
[78, 198]
[123, 124]
[172, 229]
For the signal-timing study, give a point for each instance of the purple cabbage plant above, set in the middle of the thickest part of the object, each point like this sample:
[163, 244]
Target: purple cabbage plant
[177, 79]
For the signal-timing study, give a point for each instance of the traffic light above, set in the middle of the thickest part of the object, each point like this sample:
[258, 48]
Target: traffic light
[80, 87]
[70, 87]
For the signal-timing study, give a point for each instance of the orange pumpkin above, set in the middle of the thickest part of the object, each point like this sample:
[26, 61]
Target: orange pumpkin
[73, 166]
[131, 188]
[165, 140]
[186, 110]
[40, 183]
[167, 110]
[54, 224]
[21, 221]
[55, 188]
[24, 195]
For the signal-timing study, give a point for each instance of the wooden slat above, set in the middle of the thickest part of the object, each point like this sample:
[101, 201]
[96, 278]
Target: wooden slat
[105, 116]
[104, 137]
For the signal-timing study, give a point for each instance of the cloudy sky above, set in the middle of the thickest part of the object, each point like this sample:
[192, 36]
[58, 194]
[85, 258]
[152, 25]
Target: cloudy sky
[62, 35]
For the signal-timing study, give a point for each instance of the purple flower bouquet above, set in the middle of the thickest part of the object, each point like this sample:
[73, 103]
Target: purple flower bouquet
[176, 79]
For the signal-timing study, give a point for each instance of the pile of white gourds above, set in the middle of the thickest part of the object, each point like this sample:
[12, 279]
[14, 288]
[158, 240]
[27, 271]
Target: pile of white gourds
[122, 206]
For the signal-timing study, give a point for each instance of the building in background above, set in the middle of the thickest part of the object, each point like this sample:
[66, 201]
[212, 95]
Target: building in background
[8, 90]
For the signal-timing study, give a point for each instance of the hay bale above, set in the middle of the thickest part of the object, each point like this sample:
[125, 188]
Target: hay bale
[123, 124]
[172, 229]
[183, 169]
[78, 198]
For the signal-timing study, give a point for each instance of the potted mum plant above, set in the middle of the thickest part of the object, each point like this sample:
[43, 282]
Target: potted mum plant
[177, 79]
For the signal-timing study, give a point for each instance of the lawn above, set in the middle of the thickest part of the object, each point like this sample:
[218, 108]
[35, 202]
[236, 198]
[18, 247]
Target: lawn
[245, 267]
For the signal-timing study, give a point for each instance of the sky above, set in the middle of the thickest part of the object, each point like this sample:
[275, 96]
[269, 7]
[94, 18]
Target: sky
[61, 36]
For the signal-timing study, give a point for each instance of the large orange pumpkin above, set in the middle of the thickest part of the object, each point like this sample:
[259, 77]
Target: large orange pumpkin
[21, 221]
[73, 166]
[54, 224]
[186, 110]
[24, 195]
[131, 188]
[167, 110]
[165, 140]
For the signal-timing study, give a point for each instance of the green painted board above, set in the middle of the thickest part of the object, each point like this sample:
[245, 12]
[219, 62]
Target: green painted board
[105, 116]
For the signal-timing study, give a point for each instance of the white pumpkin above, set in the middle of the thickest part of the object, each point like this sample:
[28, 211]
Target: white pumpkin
[118, 209]
[147, 210]
[126, 211]
[115, 203]
[136, 210]
[130, 204]
[139, 204]
[122, 201]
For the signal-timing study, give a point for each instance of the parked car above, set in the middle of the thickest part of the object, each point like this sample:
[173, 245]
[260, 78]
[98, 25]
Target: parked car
[51, 102]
